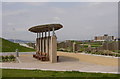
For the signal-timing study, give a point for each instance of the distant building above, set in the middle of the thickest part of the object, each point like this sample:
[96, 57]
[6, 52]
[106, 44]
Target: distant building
[117, 39]
[104, 38]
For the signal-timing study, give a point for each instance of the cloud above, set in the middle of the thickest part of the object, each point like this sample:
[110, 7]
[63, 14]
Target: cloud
[16, 12]
[56, 18]
[81, 21]
[10, 24]
[35, 3]
[0, 19]
[26, 0]
[58, 10]
[94, 4]
[60, 0]
[9, 3]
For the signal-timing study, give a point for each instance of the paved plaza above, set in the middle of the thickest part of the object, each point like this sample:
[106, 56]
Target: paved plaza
[67, 62]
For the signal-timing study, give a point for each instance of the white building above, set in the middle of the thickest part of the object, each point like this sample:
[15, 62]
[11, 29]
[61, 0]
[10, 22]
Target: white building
[104, 38]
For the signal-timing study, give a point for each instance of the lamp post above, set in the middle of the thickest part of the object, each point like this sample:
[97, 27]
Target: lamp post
[17, 52]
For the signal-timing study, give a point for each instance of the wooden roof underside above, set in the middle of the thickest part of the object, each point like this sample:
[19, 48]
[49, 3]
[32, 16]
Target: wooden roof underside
[45, 28]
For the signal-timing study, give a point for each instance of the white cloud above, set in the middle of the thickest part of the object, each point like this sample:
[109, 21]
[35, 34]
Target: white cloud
[0, 19]
[94, 4]
[35, 3]
[10, 24]
[83, 21]
[58, 10]
[26, 0]
[60, 0]
[9, 3]
[16, 12]
[56, 18]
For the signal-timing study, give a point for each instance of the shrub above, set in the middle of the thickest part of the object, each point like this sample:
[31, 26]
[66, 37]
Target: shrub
[103, 52]
[81, 50]
[8, 58]
[12, 57]
[117, 55]
[3, 58]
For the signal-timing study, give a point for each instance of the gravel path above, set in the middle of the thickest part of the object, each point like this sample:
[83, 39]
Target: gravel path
[67, 62]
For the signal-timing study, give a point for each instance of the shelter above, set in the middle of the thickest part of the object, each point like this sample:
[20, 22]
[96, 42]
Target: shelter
[46, 42]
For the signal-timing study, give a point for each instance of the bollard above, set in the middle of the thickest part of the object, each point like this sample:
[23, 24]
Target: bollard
[17, 53]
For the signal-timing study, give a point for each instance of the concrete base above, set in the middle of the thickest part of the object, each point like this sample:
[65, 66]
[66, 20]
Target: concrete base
[53, 50]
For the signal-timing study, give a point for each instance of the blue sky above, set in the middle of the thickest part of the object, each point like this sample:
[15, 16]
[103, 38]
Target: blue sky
[80, 20]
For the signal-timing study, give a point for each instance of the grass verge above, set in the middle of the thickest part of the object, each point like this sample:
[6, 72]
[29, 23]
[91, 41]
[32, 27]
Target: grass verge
[40, 73]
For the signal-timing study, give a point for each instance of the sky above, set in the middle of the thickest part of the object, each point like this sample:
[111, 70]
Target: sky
[80, 20]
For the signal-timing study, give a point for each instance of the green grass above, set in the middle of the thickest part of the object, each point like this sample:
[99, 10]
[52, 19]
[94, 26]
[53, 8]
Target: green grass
[40, 73]
[95, 45]
[118, 51]
[85, 46]
[92, 45]
[8, 46]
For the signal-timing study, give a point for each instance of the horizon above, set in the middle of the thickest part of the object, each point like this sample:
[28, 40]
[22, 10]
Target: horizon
[57, 40]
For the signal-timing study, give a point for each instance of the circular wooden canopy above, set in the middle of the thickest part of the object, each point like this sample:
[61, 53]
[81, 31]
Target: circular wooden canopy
[45, 28]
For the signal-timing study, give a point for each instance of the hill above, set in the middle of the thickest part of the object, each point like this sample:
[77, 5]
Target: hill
[20, 41]
[8, 46]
